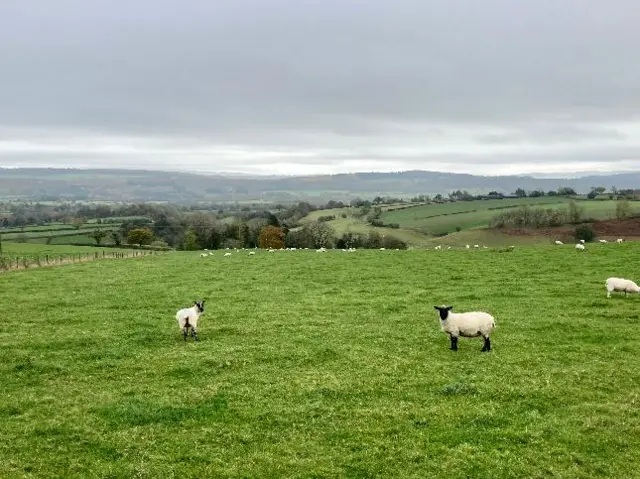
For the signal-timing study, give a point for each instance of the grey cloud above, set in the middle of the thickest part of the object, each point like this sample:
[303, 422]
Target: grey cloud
[321, 74]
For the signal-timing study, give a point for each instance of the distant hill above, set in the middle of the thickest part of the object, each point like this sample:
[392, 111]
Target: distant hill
[143, 185]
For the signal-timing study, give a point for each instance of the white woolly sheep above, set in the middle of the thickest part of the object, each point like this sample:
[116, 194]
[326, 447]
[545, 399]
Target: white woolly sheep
[468, 325]
[619, 240]
[203, 255]
[580, 247]
[621, 284]
[188, 318]
[558, 242]
[602, 241]
[251, 252]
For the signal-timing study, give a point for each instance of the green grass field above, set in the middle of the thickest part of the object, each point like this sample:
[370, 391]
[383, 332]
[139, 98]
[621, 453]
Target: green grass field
[322, 365]
[446, 217]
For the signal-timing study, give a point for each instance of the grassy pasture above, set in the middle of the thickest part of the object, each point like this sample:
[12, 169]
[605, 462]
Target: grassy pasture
[322, 365]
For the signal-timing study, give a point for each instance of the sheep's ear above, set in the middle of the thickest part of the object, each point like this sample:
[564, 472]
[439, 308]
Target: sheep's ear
[437, 308]
[449, 308]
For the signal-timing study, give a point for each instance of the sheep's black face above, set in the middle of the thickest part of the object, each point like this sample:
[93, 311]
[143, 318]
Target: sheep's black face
[444, 311]
[200, 306]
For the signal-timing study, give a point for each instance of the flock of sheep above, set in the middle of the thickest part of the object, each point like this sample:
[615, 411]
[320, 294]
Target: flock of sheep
[581, 247]
[469, 324]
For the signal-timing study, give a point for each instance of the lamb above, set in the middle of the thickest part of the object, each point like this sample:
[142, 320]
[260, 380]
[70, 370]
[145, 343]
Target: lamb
[620, 284]
[580, 247]
[188, 318]
[558, 242]
[469, 325]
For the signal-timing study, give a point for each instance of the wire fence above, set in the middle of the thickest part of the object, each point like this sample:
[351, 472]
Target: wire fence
[13, 262]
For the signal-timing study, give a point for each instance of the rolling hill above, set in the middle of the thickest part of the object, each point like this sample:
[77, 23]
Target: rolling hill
[141, 185]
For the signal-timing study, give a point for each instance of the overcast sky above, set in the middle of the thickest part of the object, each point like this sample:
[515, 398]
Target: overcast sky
[326, 86]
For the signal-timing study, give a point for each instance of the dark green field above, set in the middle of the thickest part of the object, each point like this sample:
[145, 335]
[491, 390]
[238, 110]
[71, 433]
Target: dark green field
[322, 365]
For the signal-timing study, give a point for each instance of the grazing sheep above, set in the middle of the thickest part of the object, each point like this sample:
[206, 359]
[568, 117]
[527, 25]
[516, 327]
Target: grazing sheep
[620, 284]
[469, 325]
[188, 318]
[619, 240]
[603, 241]
[558, 242]
[227, 254]
[580, 247]
[203, 255]
[252, 252]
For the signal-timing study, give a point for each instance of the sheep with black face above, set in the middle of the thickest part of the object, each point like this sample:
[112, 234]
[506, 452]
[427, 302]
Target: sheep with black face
[469, 325]
[188, 318]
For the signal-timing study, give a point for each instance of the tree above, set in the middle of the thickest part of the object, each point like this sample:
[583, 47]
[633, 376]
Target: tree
[271, 237]
[140, 236]
[190, 242]
[77, 223]
[117, 239]
[97, 235]
[536, 193]
[272, 220]
[566, 191]
[520, 193]
[584, 232]
[623, 208]
[244, 235]
[575, 212]
[592, 194]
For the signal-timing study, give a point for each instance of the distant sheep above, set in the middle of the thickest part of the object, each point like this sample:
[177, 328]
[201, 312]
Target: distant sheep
[469, 325]
[602, 241]
[203, 255]
[580, 247]
[620, 284]
[251, 252]
[619, 240]
[227, 254]
[558, 242]
[188, 318]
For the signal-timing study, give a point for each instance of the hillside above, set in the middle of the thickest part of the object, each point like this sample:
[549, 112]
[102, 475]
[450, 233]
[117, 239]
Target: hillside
[464, 222]
[161, 186]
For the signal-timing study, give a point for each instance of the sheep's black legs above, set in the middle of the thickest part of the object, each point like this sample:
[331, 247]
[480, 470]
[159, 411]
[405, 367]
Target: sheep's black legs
[185, 331]
[454, 343]
[487, 345]
[194, 334]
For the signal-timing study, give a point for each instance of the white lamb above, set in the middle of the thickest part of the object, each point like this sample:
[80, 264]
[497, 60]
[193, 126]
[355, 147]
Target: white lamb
[620, 284]
[188, 318]
[469, 325]
[558, 242]
[580, 247]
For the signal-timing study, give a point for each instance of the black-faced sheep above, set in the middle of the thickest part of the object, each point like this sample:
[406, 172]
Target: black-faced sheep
[468, 325]
[188, 318]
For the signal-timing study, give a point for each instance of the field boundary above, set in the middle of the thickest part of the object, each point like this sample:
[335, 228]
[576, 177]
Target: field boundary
[18, 262]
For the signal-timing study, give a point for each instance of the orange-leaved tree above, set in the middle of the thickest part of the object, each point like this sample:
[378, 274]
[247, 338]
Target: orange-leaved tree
[271, 237]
